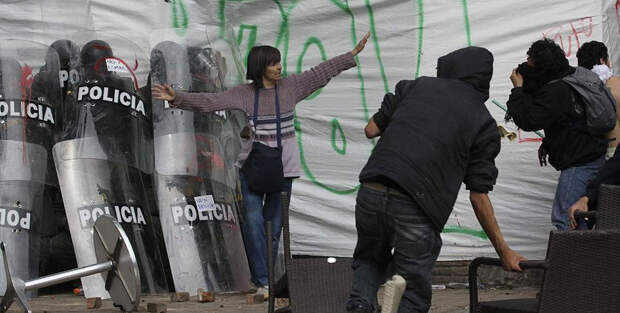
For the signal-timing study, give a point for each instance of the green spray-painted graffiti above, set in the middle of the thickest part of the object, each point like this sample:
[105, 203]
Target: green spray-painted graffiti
[180, 19]
[466, 16]
[375, 41]
[319, 44]
[467, 231]
[251, 39]
[338, 137]
[284, 33]
[420, 36]
[344, 6]
[343, 139]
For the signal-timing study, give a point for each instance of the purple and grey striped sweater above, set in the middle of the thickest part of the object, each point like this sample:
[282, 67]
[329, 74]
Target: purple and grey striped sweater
[291, 90]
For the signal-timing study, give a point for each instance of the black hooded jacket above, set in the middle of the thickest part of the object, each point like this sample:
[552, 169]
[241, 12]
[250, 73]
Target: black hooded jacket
[440, 134]
[552, 108]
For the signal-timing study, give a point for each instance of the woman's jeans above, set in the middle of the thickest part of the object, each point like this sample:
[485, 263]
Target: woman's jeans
[385, 221]
[258, 208]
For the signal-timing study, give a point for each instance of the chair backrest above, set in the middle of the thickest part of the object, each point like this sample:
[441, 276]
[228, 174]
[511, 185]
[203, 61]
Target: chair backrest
[583, 273]
[608, 212]
[314, 284]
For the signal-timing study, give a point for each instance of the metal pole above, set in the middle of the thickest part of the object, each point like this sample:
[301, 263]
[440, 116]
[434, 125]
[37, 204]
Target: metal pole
[68, 275]
[270, 263]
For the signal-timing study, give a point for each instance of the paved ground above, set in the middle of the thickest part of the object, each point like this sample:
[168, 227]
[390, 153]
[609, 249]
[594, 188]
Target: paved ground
[444, 301]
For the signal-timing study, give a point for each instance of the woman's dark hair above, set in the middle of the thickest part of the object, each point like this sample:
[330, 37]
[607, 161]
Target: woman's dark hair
[259, 58]
[549, 63]
[591, 53]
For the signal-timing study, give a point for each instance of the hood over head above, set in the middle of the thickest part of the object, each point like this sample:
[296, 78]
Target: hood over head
[473, 65]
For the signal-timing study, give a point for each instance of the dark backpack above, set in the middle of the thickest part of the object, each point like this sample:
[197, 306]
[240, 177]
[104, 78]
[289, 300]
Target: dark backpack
[599, 104]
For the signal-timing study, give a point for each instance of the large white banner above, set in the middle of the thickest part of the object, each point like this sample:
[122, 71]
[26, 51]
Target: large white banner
[407, 38]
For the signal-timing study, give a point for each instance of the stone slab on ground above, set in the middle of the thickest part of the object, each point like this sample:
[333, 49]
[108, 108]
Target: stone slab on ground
[179, 296]
[93, 303]
[444, 301]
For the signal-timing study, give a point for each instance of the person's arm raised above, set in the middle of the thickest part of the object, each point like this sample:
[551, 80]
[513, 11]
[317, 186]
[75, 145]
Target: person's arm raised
[360, 45]
[200, 101]
[163, 92]
[318, 76]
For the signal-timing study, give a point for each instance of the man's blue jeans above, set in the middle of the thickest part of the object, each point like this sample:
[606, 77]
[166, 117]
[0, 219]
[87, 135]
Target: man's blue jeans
[257, 209]
[572, 186]
[384, 222]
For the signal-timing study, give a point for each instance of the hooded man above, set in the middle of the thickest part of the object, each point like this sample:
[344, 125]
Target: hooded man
[436, 133]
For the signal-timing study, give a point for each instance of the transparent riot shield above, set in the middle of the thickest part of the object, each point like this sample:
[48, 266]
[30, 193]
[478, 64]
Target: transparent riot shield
[104, 159]
[196, 180]
[29, 99]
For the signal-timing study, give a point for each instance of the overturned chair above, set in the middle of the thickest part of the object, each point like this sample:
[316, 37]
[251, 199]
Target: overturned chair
[315, 283]
[580, 275]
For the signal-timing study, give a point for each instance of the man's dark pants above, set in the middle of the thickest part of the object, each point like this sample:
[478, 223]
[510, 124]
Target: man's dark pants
[384, 220]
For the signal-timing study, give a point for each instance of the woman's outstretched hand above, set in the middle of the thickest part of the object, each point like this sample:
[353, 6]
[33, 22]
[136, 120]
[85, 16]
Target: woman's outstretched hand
[163, 92]
[361, 44]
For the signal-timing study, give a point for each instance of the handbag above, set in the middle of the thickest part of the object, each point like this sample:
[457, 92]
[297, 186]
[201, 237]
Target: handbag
[263, 169]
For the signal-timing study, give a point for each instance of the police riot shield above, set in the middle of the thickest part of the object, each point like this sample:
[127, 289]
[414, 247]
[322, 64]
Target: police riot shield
[196, 180]
[29, 99]
[104, 158]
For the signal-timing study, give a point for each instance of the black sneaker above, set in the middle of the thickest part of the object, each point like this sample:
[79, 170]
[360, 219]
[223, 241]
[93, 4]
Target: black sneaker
[358, 308]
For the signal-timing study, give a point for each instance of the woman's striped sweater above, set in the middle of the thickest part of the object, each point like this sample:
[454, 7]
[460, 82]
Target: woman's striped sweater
[291, 90]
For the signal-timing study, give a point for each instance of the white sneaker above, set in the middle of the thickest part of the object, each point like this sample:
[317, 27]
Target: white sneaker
[253, 288]
[264, 291]
[392, 293]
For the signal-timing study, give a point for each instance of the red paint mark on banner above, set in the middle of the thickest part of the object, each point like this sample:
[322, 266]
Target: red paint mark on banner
[618, 13]
[528, 139]
[576, 31]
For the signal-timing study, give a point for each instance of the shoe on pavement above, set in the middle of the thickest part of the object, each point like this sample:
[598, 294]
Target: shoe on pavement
[264, 291]
[358, 308]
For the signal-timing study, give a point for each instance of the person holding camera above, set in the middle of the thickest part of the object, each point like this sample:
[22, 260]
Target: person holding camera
[541, 100]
